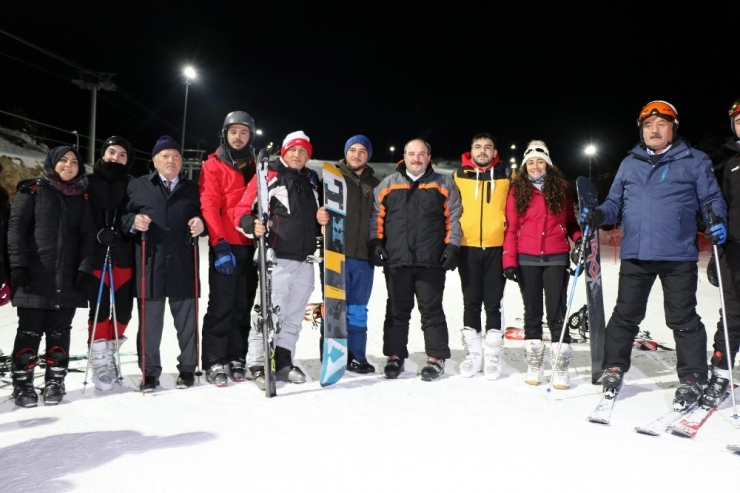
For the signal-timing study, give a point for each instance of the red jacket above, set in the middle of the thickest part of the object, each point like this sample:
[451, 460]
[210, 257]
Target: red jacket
[539, 231]
[221, 187]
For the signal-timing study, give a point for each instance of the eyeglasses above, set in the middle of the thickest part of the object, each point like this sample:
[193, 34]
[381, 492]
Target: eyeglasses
[530, 150]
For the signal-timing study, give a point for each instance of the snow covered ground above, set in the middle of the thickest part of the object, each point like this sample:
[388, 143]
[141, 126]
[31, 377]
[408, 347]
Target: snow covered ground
[367, 433]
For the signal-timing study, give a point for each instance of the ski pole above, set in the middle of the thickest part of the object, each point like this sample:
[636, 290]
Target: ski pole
[95, 319]
[715, 250]
[115, 321]
[196, 267]
[142, 304]
[581, 258]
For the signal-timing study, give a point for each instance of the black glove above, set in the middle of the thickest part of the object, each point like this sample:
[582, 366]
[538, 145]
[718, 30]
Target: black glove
[592, 217]
[107, 237]
[575, 254]
[20, 277]
[378, 255]
[449, 257]
[512, 274]
[712, 272]
[85, 283]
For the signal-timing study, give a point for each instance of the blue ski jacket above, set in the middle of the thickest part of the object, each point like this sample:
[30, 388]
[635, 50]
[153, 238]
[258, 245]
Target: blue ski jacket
[659, 204]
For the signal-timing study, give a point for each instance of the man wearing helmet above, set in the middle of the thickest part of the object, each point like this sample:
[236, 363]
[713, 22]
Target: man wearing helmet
[232, 276]
[107, 192]
[729, 264]
[660, 188]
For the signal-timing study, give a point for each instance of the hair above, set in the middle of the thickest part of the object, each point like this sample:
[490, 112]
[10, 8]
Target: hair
[429, 148]
[555, 190]
[483, 135]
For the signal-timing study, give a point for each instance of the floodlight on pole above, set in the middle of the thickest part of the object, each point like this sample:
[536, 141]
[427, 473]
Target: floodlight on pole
[188, 75]
[590, 151]
[392, 150]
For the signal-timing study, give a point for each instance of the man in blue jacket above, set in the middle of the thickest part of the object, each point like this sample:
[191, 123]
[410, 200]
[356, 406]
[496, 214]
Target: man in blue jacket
[659, 191]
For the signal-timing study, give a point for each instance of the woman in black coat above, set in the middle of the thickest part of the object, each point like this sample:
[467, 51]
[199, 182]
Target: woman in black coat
[50, 246]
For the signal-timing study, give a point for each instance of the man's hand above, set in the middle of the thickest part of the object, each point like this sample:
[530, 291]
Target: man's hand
[449, 257]
[322, 216]
[717, 234]
[592, 217]
[378, 255]
[224, 261]
[20, 277]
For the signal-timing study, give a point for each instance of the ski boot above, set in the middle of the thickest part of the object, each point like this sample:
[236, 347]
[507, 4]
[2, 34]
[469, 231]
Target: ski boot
[473, 344]
[534, 352]
[99, 363]
[612, 381]
[493, 345]
[57, 362]
[560, 377]
[434, 368]
[24, 392]
[393, 367]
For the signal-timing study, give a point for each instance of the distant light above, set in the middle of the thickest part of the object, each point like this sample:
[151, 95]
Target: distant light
[393, 148]
[513, 146]
[258, 131]
[189, 73]
[590, 150]
[513, 160]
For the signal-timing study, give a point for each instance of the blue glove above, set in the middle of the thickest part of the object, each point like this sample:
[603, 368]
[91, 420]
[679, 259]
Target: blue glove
[225, 260]
[594, 217]
[717, 234]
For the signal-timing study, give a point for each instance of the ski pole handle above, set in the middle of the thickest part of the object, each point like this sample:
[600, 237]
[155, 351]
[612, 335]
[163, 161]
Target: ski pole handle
[712, 217]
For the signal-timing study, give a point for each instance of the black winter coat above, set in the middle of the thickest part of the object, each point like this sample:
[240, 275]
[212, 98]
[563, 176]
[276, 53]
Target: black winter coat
[54, 236]
[360, 201]
[170, 259]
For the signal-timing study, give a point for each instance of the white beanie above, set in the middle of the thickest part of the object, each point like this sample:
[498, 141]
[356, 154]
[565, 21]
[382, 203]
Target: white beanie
[537, 148]
[297, 138]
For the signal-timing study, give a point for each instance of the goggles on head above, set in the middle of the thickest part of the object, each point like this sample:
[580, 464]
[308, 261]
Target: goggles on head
[661, 108]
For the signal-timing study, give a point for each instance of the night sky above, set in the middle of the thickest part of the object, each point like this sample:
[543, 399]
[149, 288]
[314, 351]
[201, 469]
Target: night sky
[334, 69]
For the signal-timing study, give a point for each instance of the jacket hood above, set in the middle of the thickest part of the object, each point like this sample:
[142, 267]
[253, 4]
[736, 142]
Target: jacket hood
[467, 162]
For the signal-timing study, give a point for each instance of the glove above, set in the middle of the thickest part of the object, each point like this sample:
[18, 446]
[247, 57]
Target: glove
[449, 257]
[512, 274]
[224, 260]
[712, 272]
[378, 255]
[717, 234]
[592, 217]
[20, 277]
[85, 283]
[575, 254]
[107, 237]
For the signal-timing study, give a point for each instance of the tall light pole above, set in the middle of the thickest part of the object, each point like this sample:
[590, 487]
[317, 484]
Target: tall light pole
[590, 151]
[188, 75]
[392, 149]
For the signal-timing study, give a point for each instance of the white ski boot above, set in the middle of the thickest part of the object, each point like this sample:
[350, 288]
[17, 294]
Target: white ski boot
[99, 363]
[492, 348]
[534, 352]
[113, 350]
[560, 376]
[473, 361]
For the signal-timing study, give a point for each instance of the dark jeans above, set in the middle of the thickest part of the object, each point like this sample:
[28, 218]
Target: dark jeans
[483, 282]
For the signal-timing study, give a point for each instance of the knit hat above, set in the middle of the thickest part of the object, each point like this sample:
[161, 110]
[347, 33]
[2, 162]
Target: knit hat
[118, 141]
[537, 148]
[360, 139]
[297, 138]
[165, 142]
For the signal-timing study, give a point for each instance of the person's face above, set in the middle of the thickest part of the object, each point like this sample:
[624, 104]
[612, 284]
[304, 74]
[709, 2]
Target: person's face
[483, 152]
[357, 157]
[296, 157]
[67, 167]
[168, 163]
[416, 156]
[657, 132]
[535, 167]
[238, 136]
[736, 121]
[115, 154]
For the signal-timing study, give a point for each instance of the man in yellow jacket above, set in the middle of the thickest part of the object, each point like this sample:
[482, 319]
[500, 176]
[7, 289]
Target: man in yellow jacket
[483, 188]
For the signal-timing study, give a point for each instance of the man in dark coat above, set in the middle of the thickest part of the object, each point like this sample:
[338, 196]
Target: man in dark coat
[165, 208]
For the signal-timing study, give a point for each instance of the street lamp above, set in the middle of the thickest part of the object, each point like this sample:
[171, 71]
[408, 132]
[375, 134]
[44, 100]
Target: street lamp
[590, 151]
[188, 75]
[392, 149]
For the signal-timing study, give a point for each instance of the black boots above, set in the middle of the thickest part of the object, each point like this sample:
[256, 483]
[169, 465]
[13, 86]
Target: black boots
[284, 369]
[57, 362]
[24, 363]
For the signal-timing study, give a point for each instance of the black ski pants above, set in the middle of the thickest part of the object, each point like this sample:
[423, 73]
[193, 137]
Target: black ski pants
[636, 278]
[34, 323]
[552, 280]
[729, 269]
[227, 321]
[427, 285]
[483, 282]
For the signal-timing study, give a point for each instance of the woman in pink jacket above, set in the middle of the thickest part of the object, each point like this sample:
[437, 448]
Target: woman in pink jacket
[540, 219]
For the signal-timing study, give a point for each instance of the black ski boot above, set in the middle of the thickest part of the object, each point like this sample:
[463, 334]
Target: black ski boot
[716, 391]
[612, 381]
[393, 367]
[433, 369]
[57, 362]
[24, 392]
[284, 369]
[236, 371]
[688, 393]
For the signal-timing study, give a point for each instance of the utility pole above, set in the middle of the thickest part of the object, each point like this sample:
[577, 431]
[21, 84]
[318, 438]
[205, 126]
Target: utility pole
[94, 82]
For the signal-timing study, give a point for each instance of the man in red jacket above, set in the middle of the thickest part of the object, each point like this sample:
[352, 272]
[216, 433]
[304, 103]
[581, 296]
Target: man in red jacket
[232, 276]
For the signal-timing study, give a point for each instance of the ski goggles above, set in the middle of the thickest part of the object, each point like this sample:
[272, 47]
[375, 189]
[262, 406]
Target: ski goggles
[530, 150]
[661, 108]
[735, 108]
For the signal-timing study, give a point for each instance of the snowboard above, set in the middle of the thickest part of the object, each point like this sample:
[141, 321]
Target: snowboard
[334, 362]
[588, 197]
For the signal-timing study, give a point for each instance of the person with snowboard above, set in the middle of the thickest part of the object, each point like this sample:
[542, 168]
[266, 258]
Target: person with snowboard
[166, 206]
[540, 221]
[660, 189]
[232, 274]
[729, 269]
[294, 212]
[107, 191]
[484, 186]
[51, 236]
[415, 236]
[361, 182]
